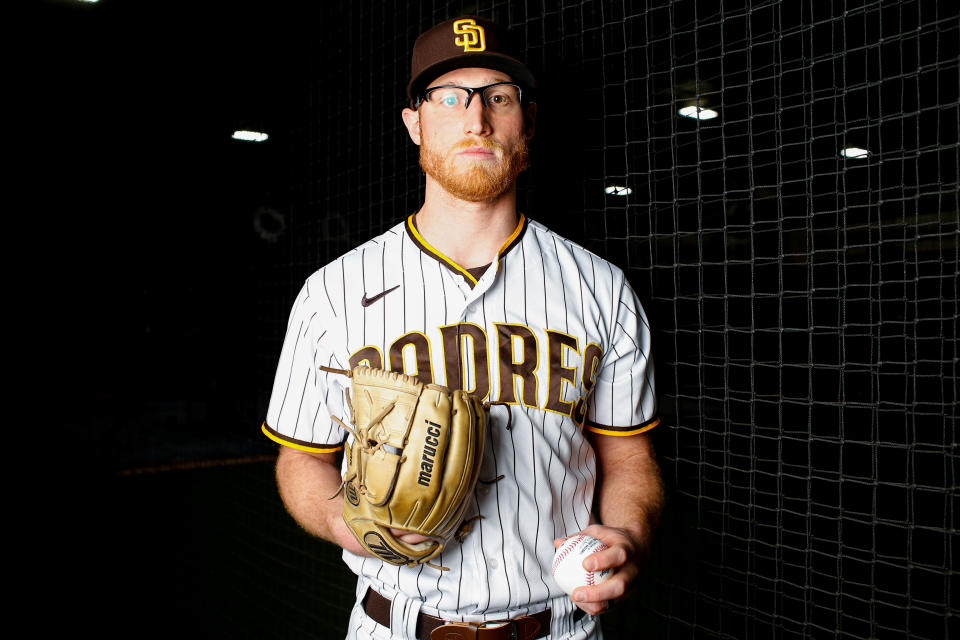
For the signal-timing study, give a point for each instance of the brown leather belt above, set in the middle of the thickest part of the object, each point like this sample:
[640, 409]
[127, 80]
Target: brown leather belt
[431, 628]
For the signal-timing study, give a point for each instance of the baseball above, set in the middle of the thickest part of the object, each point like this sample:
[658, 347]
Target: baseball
[568, 571]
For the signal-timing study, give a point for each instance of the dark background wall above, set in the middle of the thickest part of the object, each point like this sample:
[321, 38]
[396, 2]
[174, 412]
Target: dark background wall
[804, 304]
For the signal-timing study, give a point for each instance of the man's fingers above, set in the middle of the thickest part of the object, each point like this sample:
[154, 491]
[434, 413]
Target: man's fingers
[594, 608]
[406, 536]
[597, 595]
[607, 559]
[617, 557]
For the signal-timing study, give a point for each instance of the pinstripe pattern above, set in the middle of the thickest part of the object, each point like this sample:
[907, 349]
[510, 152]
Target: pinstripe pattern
[540, 283]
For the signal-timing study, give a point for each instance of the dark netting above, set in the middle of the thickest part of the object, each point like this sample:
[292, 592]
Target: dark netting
[804, 302]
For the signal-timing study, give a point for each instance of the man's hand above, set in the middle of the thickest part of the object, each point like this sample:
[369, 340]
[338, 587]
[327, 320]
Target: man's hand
[629, 500]
[409, 538]
[624, 555]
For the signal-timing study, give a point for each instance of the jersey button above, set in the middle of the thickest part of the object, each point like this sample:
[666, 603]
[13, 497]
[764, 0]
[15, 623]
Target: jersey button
[492, 563]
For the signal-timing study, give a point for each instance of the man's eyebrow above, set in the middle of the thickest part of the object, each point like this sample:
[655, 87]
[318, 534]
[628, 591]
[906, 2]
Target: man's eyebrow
[461, 83]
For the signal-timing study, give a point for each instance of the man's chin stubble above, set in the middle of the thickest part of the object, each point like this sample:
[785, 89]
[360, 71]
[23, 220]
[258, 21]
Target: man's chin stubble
[478, 183]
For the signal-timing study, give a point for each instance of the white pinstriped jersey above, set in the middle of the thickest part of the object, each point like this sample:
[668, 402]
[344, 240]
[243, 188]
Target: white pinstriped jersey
[550, 328]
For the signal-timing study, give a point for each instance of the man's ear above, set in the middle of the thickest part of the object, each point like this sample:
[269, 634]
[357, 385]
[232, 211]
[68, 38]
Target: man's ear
[530, 119]
[411, 119]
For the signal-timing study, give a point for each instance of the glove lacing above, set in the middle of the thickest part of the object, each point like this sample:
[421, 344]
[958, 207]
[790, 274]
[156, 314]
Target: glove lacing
[490, 403]
[366, 441]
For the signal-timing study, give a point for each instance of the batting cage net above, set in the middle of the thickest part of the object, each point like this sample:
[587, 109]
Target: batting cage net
[780, 181]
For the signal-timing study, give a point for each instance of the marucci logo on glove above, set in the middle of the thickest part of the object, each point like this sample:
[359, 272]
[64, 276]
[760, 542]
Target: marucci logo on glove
[350, 492]
[429, 453]
[379, 547]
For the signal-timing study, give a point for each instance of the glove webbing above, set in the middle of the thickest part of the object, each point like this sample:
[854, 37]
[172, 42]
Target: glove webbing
[362, 440]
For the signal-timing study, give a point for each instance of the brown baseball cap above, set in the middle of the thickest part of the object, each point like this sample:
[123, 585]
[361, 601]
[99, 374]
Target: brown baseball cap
[468, 41]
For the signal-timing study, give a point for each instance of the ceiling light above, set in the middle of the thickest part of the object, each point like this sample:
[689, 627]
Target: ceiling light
[854, 152]
[249, 136]
[698, 113]
[617, 190]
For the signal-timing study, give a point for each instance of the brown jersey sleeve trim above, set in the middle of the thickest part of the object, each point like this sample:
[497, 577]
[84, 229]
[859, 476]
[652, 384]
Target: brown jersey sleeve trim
[622, 431]
[302, 445]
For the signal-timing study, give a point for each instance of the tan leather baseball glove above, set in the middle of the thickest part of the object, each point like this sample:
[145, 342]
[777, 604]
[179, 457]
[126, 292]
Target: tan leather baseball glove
[413, 464]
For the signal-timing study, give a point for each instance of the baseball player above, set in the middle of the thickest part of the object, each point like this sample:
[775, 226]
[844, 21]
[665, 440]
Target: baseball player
[470, 293]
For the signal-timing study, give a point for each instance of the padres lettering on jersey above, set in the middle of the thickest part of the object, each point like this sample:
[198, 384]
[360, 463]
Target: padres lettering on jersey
[466, 348]
[550, 329]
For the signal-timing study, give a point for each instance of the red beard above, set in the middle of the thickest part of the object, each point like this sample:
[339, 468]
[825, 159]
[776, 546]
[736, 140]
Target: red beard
[477, 181]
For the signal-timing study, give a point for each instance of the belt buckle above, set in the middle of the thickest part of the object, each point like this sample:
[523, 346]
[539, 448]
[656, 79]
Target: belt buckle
[470, 630]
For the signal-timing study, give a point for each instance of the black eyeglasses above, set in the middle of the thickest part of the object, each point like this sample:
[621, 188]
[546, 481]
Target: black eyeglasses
[499, 96]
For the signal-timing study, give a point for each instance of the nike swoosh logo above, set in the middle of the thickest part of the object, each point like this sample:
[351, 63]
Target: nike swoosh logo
[365, 301]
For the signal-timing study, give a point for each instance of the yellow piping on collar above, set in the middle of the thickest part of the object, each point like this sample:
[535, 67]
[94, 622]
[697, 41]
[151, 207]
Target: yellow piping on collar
[413, 229]
[513, 236]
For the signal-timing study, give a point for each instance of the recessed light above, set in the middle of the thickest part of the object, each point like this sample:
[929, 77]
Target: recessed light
[854, 152]
[617, 190]
[698, 113]
[249, 136]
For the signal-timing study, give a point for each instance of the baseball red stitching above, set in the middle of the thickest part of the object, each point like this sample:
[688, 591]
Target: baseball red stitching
[567, 548]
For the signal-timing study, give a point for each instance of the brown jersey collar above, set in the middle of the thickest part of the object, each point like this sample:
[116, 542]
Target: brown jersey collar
[424, 246]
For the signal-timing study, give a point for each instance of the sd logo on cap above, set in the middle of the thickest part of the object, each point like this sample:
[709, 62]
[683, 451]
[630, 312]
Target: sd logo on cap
[469, 35]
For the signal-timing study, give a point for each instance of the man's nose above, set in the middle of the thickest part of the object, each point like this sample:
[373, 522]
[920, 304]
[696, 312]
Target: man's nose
[475, 117]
